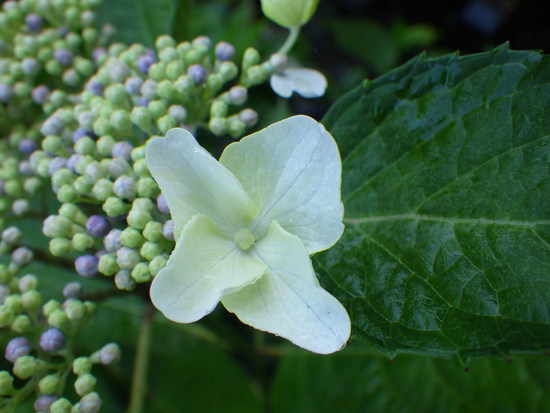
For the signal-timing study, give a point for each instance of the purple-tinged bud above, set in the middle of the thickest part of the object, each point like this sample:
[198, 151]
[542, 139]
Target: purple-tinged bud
[149, 89]
[22, 256]
[52, 126]
[133, 85]
[86, 120]
[20, 207]
[197, 73]
[51, 340]
[33, 21]
[162, 205]
[178, 112]
[25, 168]
[224, 51]
[122, 150]
[17, 347]
[94, 87]
[118, 167]
[11, 235]
[109, 353]
[142, 101]
[124, 280]
[98, 52]
[86, 265]
[91, 403]
[98, 226]
[72, 161]
[72, 290]
[39, 94]
[202, 41]
[57, 163]
[63, 31]
[125, 187]
[6, 92]
[43, 403]
[127, 258]
[238, 95]
[144, 62]
[29, 66]
[112, 240]
[26, 146]
[27, 283]
[249, 117]
[119, 71]
[168, 230]
[63, 56]
[78, 133]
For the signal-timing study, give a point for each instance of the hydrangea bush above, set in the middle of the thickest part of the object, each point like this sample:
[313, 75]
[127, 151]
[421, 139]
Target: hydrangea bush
[416, 220]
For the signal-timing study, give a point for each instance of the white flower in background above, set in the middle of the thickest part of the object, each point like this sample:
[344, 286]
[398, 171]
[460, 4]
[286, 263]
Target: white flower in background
[308, 83]
[245, 227]
[289, 13]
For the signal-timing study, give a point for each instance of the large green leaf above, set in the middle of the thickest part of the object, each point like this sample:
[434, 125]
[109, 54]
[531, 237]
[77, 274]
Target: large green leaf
[447, 193]
[350, 383]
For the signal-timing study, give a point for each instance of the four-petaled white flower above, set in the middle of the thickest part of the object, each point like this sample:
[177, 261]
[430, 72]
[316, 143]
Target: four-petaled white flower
[308, 83]
[245, 227]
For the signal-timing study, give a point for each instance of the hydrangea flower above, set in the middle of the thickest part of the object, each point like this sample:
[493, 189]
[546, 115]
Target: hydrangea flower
[308, 83]
[245, 227]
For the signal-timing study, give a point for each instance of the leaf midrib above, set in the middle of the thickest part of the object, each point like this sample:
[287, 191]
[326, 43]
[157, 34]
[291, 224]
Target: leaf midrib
[450, 220]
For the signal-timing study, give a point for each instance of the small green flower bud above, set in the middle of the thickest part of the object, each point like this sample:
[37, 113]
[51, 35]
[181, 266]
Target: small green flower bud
[91, 403]
[85, 146]
[166, 123]
[13, 188]
[74, 309]
[218, 126]
[109, 354]
[105, 145]
[27, 283]
[147, 188]
[49, 384]
[185, 85]
[82, 365]
[140, 168]
[255, 75]
[153, 231]
[218, 109]
[83, 185]
[175, 69]
[62, 176]
[103, 189]
[141, 117]
[25, 367]
[138, 219]
[140, 273]
[251, 57]
[84, 66]
[144, 204]
[14, 302]
[228, 71]
[52, 144]
[32, 184]
[82, 242]
[85, 384]
[57, 226]
[131, 238]
[116, 94]
[61, 405]
[60, 247]
[164, 41]
[31, 301]
[157, 71]
[58, 319]
[120, 119]
[107, 264]
[214, 82]
[54, 68]
[67, 194]
[157, 108]
[6, 384]
[71, 77]
[289, 13]
[157, 264]
[21, 324]
[50, 307]
[236, 128]
[73, 213]
[7, 315]
[115, 207]
[166, 90]
[150, 250]
[102, 126]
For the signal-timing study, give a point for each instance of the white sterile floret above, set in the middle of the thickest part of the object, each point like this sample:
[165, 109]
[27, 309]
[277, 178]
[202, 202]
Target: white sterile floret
[308, 83]
[245, 227]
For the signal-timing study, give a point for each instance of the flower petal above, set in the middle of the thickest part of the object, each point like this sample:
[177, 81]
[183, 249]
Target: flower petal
[288, 300]
[292, 171]
[192, 182]
[308, 83]
[202, 267]
[281, 85]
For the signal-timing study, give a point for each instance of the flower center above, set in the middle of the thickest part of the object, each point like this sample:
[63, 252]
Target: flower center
[244, 238]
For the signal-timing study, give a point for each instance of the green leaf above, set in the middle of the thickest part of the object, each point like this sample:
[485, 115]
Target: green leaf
[447, 194]
[347, 382]
[138, 21]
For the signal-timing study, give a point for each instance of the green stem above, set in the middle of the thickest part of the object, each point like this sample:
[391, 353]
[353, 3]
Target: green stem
[290, 40]
[141, 363]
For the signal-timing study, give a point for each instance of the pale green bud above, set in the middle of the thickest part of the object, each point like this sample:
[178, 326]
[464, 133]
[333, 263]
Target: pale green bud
[157, 108]
[105, 145]
[103, 189]
[140, 273]
[25, 367]
[83, 185]
[49, 384]
[168, 54]
[153, 231]
[138, 219]
[120, 119]
[102, 126]
[166, 90]
[21, 324]
[115, 93]
[85, 384]
[31, 301]
[289, 13]
[58, 319]
[60, 247]
[251, 57]
[6, 383]
[52, 144]
[13, 301]
[164, 41]
[236, 128]
[85, 146]
[150, 250]
[82, 241]
[218, 126]
[141, 117]
[185, 85]
[50, 307]
[82, 365]
[175, 69]
[61, 405]
[140, 168]
[107, 264]
[157, 71]
[228, 70]
[165, 123]
[114, 207]
[218, 109]
[157, 264]
[7, 315]
[74, 309]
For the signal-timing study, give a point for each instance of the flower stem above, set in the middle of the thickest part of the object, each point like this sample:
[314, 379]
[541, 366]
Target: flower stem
[141, 362]
[290, 40]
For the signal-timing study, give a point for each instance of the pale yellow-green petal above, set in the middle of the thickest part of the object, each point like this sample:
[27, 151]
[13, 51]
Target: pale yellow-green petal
[194, 182]
[292, 172]
[203, 266]
[288, 300]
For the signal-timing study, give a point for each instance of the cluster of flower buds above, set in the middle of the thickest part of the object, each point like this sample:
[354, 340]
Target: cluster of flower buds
[36, 334]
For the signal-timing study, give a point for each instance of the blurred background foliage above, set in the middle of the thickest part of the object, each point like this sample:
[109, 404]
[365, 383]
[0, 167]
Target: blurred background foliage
[219, 364]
